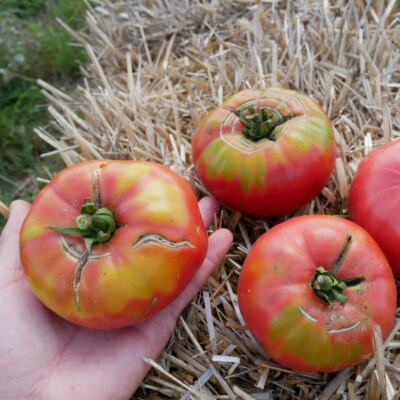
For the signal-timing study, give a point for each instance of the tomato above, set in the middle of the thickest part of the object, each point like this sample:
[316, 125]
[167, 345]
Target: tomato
[373, 199]
[138, 240]
[265, 152]
[311, 291]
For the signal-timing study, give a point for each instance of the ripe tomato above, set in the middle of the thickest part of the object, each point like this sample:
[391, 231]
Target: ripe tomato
[265, 152]
[311, 290]
[373, 199]
[100, 278]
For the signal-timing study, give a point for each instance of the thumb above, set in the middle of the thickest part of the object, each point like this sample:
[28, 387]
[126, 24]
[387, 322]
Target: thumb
[18, 211]
[219, 243]
[9, 239]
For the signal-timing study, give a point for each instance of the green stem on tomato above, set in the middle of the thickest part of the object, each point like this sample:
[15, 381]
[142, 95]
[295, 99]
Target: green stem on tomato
[326, 285]
[257, 124]
[95, 225]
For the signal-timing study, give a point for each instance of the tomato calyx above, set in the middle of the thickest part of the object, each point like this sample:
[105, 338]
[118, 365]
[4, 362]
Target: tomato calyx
[94, 224]
[327, 286]
[258, 124]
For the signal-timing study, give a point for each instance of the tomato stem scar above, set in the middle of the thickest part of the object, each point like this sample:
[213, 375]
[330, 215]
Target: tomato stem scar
[258, 124]
[345, 329]
[307, 315]
[96, 189]
[77, 277]
[154, 238]
[95, 224]
[326, 285]
[341, 256]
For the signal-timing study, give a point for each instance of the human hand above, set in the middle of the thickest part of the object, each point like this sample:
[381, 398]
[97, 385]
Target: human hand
[42, 356]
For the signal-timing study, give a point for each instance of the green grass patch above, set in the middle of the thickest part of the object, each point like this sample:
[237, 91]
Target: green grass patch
[32, 46]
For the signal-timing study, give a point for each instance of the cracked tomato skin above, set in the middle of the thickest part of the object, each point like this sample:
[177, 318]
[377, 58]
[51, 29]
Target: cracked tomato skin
[373, 199]
[284, 315]
[159, 243]
[265, 177]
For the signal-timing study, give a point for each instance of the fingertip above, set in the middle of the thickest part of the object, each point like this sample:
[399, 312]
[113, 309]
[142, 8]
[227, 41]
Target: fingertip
[20, 205]
[208, 208]
[19, 209]
[18, 212]
[224, 233]
[209, 203]
[219, 244]
[223, 237]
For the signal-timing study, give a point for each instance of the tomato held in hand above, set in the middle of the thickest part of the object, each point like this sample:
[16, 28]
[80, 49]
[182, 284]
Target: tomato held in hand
[265, 152]
[107, 244]
[373, 199]
[311, 291]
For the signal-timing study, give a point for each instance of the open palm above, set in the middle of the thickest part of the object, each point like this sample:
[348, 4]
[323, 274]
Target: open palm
[43, 356]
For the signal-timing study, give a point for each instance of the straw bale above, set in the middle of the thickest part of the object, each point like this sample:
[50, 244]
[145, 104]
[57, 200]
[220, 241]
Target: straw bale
[156, 68]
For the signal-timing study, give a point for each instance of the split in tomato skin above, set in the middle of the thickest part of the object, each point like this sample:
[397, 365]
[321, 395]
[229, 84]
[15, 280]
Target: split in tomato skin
[273, 174]
[158, 244]
[279, 304]
[373, 199]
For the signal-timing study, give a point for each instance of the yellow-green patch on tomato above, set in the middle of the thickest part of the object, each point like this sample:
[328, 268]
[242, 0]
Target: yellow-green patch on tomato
[281, 137]
[311, 291]
[109, 243]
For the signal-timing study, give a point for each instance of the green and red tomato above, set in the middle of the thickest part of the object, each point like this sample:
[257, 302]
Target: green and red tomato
[373, 200]
[265, 152]
[311, 291]
[107, 244]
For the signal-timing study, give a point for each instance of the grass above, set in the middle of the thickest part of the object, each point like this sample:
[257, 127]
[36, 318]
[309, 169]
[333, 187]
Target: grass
[32, 46]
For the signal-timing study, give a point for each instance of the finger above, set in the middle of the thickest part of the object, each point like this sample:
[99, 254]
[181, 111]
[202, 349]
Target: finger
[208, 208]
[219, 243]
[9, 240]
[18, 211]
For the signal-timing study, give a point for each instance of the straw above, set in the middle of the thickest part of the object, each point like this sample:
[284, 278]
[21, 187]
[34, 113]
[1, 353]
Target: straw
[156, 68]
